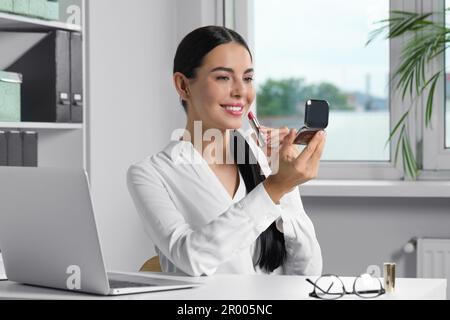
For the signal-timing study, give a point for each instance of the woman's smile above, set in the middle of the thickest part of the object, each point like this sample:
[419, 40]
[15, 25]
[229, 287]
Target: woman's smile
[234, 109]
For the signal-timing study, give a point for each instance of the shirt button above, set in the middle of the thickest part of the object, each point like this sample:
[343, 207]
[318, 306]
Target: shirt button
[240, 205]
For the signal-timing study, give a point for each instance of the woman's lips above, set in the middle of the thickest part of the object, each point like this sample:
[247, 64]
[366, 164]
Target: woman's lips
[233, 109]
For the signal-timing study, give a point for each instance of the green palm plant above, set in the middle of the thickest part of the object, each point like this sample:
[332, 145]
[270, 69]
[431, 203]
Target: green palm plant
[428, 40]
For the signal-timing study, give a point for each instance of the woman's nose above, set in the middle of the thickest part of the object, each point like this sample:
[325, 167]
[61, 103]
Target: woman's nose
[238, 89]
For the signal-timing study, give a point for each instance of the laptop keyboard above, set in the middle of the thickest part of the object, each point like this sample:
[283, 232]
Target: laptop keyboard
[114, 284]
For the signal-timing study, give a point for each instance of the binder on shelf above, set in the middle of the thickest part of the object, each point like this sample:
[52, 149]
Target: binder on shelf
[21, 7]
[76, 77]
[3, 149]
[30, 148]
[38, 8]
[52, 10]
[14, 152]
[10, 96]
[6, 5]
[45, 67]
[42, 9]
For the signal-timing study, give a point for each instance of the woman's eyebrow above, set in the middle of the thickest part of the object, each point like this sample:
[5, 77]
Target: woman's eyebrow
[230, 70]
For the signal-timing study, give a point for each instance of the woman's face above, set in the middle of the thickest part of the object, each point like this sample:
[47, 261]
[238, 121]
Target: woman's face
[222, 91]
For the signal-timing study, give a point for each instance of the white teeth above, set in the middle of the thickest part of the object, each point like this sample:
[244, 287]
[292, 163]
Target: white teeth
[232, 108]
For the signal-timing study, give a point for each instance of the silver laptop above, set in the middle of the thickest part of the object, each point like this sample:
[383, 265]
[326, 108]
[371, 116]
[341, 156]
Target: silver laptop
[48, 235]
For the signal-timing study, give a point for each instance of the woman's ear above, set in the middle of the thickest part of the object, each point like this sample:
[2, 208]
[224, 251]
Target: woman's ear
[182, 85]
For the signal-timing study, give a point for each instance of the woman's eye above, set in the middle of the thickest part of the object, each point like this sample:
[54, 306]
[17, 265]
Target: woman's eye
[248, 79]
[223, 78]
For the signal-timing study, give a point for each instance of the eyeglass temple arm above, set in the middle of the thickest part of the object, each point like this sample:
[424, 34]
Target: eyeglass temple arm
[315, 286]
[373, 291]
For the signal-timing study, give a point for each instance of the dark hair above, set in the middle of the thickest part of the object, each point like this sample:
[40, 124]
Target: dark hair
[197, 44]
[272, 249]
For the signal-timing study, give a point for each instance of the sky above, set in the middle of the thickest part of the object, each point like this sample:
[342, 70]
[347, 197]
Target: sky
[322, 40]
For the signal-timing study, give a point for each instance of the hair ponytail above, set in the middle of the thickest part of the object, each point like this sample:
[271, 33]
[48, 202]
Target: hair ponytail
[271, 241]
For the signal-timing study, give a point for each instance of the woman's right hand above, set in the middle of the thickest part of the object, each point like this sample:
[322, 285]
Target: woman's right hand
[293, 167]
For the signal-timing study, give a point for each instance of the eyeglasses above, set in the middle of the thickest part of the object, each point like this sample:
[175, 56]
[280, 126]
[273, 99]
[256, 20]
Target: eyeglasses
[330, 286]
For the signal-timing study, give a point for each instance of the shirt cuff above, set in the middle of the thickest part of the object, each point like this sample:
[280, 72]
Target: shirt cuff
[260, 208]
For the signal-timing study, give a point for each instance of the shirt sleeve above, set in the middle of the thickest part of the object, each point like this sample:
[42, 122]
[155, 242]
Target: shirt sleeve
[198, 251]
[304, 255]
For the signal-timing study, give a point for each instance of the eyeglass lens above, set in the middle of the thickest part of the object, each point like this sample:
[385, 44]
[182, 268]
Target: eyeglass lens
[332, 287]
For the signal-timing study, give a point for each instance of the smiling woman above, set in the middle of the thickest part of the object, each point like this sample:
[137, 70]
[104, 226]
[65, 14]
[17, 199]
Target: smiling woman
[211, 213]
[226, 69]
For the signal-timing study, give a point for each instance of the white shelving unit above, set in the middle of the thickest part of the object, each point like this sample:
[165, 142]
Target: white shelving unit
[9, 21]
[41, 125]
[59, 144]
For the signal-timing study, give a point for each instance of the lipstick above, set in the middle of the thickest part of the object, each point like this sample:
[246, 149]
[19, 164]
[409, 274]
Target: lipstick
[257, 128]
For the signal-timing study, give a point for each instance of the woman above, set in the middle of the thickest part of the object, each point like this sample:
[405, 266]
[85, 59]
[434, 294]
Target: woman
[205, 211]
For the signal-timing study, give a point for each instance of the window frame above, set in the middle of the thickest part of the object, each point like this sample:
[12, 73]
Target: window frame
[435, 156]
[424, 142]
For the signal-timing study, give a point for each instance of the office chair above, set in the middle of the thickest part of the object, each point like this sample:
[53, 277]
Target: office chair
[151, 265]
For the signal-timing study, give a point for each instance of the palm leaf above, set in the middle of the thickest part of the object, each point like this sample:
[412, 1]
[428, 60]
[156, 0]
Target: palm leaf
[399, 122]
[412, 69]
[429, 105]
[426, 40]
[401, 22]
[404, 157]
[410, 159]
[409, 162]
[398, 144]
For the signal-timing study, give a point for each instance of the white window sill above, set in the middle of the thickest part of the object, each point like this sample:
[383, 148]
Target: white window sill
[375, 188]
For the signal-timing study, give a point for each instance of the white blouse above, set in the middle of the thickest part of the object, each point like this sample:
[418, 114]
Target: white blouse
[198, 229]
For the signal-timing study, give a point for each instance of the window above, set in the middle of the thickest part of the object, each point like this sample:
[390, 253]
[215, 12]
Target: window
[316, 49]
[447, 83]
[307, 52]
[436, 141]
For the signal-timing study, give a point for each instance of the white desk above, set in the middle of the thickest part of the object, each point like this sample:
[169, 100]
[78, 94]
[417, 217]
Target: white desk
[238, 287]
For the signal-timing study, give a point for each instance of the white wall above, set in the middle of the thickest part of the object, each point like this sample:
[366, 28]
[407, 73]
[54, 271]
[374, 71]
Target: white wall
[192, 14]
[132, 111]
[357, 232]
